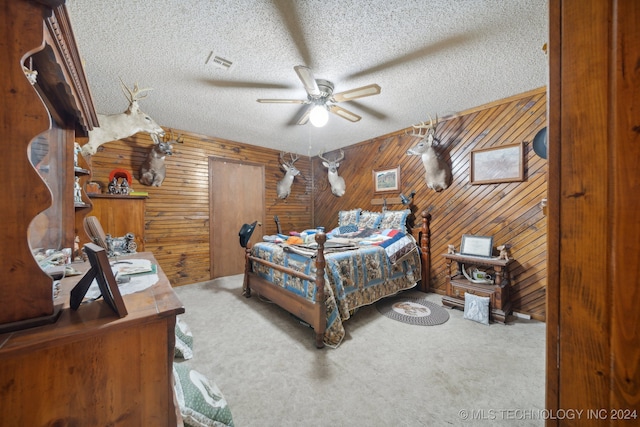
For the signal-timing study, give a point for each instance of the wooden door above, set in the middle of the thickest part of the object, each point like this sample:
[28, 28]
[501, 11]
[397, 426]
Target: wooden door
[236, 194]
[593, 331]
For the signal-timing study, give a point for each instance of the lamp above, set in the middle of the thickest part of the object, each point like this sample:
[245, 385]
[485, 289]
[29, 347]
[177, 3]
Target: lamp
[407, 200]
[319, 115]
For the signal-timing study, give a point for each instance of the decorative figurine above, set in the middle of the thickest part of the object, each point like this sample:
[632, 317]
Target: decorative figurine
[76, 150]
[124, 187]
[30, 73]
[504, 252]
[113, 186]
[77, 191]
[451, 249]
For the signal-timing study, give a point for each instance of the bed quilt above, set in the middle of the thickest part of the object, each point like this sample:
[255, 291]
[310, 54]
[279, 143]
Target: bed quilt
[355, 276]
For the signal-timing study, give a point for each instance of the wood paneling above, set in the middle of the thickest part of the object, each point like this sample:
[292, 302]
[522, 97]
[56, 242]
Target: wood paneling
[177, 213]
[510, 212]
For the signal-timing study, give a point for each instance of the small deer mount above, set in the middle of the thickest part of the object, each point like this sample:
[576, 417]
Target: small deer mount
[437, 171]
[153, 170]
[283, 187]
[338, 186]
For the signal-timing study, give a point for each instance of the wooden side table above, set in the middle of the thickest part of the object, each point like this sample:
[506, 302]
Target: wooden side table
[498, 291]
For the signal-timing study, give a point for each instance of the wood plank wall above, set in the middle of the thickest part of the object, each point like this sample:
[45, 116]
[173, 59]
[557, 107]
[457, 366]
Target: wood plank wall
[177, 213]
[510, 212]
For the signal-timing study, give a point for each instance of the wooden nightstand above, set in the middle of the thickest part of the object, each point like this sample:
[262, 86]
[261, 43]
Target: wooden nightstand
[498, 292]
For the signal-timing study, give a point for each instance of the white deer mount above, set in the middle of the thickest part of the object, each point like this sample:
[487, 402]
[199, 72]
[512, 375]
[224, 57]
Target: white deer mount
[153, 170]
[283, 187]
[338, 186]
[118, 126]
[437, 172]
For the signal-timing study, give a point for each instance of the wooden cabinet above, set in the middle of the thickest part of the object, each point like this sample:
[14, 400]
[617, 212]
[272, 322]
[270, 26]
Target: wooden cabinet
[39, 124]
[120, 215]
[498, 291]
[92, 368]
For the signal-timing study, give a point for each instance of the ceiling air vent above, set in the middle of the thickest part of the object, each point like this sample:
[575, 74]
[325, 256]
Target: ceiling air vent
[219, 62]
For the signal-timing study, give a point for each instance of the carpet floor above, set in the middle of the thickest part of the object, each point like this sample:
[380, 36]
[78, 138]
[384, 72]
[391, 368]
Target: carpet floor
[385, 372]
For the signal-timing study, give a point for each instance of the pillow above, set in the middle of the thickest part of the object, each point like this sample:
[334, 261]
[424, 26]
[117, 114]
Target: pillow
[184, 340]
[395, 219]
[369, 219]
[200, 401]
[476, 308]
[348, 217]
[347, 229]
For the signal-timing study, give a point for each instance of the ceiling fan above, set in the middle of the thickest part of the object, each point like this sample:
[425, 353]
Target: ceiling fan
[321, 100]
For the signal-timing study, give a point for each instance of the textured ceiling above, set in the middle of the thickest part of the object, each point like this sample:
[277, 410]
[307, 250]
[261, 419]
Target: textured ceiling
[429, 57]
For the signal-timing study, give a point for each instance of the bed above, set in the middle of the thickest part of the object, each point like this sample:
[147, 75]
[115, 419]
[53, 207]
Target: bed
[323, 280]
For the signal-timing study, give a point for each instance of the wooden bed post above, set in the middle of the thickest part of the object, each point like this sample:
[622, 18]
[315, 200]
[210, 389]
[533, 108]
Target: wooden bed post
[246, 290]
[321, 321]
[425, 251]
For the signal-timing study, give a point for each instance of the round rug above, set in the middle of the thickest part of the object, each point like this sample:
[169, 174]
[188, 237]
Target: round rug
[414, 311]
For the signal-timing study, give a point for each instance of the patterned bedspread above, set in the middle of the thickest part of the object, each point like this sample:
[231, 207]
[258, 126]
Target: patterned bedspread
[354, 277]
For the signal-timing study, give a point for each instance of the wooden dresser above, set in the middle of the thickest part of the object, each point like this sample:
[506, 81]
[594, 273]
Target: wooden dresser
[92, 368]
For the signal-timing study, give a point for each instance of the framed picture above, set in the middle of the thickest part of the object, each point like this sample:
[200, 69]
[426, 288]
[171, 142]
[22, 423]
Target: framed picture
[476, 245]
[100, 270]
[497, 164]
[386, 180]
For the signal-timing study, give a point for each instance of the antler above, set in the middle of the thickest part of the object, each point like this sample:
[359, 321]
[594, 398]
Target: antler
[169, 138]
[134, 95]
[293, 160]
[329, 161]
[320, 155]
[429, 128]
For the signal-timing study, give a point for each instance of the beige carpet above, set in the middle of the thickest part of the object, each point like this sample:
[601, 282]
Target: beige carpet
[385, 373]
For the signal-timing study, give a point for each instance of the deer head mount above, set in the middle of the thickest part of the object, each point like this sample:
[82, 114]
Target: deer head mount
[338, 186]
[118, 126]
[437, 172]
[283, 188]
[153, 170]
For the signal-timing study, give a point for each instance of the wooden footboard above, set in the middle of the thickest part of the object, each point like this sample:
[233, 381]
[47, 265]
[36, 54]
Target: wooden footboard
[315, 313]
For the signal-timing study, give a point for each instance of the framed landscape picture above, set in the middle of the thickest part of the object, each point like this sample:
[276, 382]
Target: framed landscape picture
[386, 180]
[497, 164]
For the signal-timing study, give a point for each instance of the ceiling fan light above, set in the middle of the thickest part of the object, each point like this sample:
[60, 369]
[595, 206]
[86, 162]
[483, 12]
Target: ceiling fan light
[319, 116]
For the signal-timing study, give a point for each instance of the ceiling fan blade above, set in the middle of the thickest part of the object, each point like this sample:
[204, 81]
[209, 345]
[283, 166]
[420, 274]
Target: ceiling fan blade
[345, 114]
[283, 101]
[244, 84]
[306, 77]
[359, 92]
[304, 117]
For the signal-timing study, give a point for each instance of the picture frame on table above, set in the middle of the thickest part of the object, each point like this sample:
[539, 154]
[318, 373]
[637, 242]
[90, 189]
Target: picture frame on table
[480, 246]
[101, 271]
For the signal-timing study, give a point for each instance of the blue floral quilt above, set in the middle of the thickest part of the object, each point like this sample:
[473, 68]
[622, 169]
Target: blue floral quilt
[354, 277]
